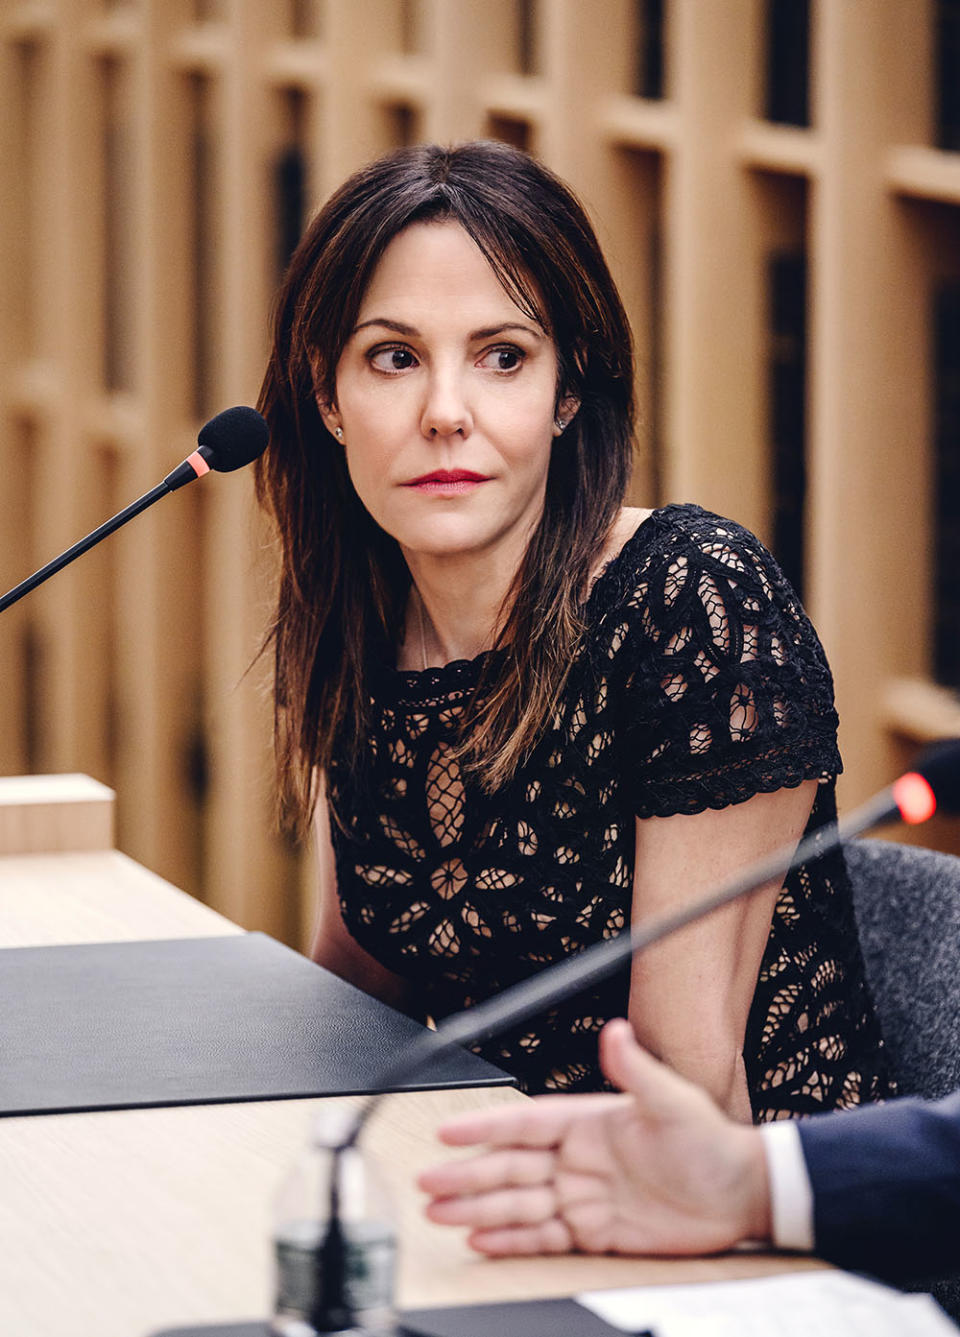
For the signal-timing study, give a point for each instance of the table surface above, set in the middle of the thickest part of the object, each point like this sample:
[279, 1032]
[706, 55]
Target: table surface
[119, 1224]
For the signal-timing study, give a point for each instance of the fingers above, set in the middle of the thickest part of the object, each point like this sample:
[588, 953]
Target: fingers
[660, 1091]
[626, 1064]
[506, 1207]
[509, 1221]
[548, 1237]
[509, 1199]
[540, 1123]
[501, 1169]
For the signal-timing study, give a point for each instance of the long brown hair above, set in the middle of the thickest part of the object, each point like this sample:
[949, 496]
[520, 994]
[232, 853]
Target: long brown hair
[343, 583]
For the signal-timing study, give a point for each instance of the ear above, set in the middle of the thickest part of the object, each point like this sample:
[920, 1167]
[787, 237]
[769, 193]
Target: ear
[331, 417]
[328, 411]
[567, 409]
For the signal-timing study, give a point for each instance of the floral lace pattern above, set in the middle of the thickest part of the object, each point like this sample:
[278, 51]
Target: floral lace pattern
[699, 683]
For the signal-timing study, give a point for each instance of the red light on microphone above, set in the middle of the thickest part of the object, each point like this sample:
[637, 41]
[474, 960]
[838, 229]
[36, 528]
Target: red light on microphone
[914, 797]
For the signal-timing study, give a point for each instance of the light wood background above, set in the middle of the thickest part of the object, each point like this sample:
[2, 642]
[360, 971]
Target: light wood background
[141, 145]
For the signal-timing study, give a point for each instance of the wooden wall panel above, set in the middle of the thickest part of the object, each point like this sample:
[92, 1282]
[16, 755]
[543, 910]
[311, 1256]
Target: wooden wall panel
[143, 144]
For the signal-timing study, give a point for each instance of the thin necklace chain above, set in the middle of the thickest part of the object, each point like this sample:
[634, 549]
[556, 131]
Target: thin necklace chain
[423, 639]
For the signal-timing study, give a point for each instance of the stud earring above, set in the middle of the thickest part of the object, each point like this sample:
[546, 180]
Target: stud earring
[559, 426]
[338, 433]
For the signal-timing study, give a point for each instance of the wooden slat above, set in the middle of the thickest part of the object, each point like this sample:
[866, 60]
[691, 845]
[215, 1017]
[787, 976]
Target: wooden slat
[870, 428]
[638, 123]
[779, 148]
[48, 814]
[924, 173]
[714, 383]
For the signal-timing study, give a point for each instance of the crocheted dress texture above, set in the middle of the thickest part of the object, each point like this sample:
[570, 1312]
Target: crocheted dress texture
[699, 683]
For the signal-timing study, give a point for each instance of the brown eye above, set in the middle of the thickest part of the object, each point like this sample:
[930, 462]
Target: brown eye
[392, 359]
[503, 358]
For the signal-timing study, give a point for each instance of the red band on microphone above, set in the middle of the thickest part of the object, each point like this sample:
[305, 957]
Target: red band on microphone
[914, 797]
[198, 464]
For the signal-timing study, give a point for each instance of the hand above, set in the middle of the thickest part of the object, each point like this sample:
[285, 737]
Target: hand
[657, 1170]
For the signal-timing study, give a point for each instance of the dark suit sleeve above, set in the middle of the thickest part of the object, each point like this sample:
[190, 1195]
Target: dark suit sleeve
[886, 1187]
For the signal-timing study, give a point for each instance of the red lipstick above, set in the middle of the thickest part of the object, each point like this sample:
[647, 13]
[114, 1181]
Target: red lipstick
[447, 480]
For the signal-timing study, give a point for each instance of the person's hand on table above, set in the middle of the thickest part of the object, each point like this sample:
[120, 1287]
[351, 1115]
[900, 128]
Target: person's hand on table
[657, 1170]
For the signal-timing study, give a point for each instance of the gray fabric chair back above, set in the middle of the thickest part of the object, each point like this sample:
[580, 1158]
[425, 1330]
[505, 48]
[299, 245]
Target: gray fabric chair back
[907, 904]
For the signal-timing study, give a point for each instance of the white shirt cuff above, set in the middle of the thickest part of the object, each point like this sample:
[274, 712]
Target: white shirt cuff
[791, 1195]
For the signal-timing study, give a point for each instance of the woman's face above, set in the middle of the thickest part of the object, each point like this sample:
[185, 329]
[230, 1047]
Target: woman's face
[446, 397]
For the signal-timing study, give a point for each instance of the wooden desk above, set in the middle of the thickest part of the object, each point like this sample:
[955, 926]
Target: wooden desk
[118, 1224]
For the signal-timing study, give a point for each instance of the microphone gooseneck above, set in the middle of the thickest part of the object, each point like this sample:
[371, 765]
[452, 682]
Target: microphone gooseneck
[933, 783]
[232, 439]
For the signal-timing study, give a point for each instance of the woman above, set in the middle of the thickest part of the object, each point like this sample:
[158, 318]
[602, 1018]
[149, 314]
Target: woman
[521, 712]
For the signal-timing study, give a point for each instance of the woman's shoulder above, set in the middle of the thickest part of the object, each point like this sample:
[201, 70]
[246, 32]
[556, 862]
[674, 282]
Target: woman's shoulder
[666, 546]
[705, 648]
[695, 585]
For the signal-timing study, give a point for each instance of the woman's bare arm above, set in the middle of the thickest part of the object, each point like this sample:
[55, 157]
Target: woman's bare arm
[690, 996]
[333, 945]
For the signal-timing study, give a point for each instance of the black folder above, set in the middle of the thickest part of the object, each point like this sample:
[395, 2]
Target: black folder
[193, 1021]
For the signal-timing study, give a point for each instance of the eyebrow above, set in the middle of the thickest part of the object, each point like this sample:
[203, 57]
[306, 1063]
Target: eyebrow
[488, 332]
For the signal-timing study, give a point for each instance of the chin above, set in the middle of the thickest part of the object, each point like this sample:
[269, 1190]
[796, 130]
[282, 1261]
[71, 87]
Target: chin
[445, 547]
[442, 548]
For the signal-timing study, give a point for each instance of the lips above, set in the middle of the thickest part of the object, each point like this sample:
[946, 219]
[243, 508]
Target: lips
[445, 477]
[447, 482]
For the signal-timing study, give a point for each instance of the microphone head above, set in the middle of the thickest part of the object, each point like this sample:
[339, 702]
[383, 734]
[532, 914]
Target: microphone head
[233, 438]
[939, 765]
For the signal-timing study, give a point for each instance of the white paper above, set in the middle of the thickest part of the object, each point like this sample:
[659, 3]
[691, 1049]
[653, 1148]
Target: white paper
[824, 1302]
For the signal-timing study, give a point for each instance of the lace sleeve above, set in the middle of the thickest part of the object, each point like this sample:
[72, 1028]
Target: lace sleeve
[726, 689]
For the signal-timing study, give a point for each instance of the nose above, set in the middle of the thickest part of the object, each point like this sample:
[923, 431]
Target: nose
[445, 408]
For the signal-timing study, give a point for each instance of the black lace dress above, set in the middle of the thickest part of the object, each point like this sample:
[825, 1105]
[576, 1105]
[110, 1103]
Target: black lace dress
[699, 683]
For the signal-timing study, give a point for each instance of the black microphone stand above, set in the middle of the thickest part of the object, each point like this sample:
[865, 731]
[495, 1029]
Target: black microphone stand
[79, 548]
[228, 441]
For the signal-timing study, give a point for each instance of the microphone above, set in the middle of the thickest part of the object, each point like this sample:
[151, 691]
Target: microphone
[235, 437]
[934, 783]
[232, 439]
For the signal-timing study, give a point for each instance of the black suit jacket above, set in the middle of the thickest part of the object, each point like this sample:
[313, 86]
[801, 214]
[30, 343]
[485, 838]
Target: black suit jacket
[886, 1187]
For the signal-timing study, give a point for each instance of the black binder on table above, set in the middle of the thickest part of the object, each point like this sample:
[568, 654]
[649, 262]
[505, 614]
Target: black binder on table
[192, 1021]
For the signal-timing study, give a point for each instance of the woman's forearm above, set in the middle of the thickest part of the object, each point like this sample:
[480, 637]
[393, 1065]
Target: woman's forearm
[339, 954]
[719, 1071]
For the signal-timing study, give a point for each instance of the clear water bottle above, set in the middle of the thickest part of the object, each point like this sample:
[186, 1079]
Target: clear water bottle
[334, 1242]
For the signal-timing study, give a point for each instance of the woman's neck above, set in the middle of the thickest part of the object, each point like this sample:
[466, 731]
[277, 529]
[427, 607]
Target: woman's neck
[455, 610]
[458, 603]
